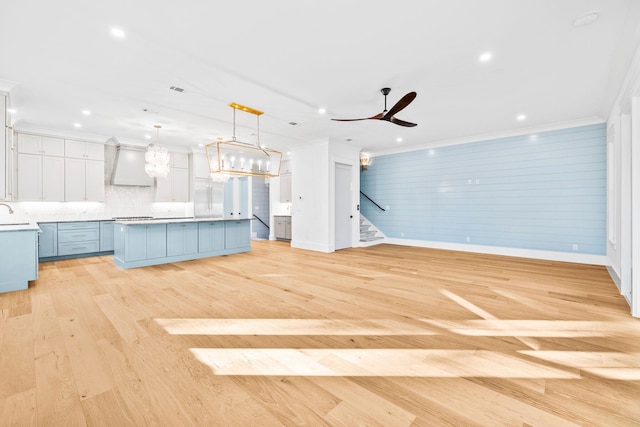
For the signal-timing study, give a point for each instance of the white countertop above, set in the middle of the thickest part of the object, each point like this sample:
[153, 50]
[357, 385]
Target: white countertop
[18, 226]
[177, 220]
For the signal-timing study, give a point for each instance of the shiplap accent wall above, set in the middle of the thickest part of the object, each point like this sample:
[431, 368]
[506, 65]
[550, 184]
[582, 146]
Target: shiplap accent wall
[543, 191]
[260, 206]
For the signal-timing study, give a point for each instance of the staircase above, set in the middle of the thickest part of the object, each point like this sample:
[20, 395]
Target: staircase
[368, 233]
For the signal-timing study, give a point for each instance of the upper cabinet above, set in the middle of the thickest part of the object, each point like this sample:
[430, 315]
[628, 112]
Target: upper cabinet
[54, 169]
[4, 133]
[83, 150]
[84, 171]
[175, 187]
[201, 166]
[40, 168]
[285, 182]
[42, 145]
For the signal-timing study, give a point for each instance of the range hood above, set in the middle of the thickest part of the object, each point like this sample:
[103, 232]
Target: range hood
[128, 166]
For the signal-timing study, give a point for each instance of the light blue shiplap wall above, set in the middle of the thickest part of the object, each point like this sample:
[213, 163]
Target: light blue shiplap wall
[544, 191]
[260, 204]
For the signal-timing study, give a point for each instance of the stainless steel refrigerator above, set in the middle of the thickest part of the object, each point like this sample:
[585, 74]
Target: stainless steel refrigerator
[208, 199]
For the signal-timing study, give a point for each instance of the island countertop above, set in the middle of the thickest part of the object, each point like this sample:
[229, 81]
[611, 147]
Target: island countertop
[18, 226]
[176, 220]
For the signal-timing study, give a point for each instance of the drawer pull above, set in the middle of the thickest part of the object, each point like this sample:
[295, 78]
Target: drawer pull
[78, 248]
[79, 235]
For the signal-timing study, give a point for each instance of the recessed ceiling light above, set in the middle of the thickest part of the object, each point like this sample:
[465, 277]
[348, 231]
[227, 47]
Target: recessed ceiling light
[147, 136]
[399, 140]
[77, 125]
[86, 112]
[11, 110]
[288, 153]
[117, 33]
[200, 145]
[585, 19]
[485, 57]
[321, 110]
[521, 117]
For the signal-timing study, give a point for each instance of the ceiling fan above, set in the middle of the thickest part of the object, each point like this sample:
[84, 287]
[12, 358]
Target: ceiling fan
[389, 115]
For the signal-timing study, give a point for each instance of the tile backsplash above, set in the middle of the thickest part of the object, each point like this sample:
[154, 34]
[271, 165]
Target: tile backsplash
[119, 201]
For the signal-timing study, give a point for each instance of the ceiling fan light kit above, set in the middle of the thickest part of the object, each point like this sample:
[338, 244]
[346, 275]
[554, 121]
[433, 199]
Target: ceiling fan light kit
[389, 115]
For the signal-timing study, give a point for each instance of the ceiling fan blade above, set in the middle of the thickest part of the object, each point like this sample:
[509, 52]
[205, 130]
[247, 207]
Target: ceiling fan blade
[402, 122]
[400, 105]
[376, 117]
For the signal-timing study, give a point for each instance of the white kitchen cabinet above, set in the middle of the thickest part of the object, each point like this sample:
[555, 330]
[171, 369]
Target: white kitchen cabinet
[201, 166]
[84, 180]
[83, 150]
[285, 188]
[42, 145]
[4, 132]
[285, 182]
[40, 168]
[175, 187]
[40, 178]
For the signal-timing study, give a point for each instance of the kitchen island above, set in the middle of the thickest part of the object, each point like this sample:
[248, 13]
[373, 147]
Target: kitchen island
[161, 241]
[19, 260]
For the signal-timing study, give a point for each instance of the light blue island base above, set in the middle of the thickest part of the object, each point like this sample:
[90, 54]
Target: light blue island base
[19, 259]
[153, 242]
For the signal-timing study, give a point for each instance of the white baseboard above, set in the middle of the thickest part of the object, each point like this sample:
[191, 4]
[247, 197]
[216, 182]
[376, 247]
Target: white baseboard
[493, 250]
[311, 246]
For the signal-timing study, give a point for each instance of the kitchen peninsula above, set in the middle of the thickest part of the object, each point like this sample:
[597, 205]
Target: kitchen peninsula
[159, 241]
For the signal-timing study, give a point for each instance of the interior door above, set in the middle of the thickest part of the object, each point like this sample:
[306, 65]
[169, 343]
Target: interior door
[343, 213]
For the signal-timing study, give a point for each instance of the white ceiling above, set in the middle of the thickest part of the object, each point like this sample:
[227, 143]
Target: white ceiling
[290, 57]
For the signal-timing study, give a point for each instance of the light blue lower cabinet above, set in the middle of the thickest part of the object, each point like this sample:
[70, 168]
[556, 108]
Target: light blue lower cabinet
[237, 234]
[143, 245]
[22, 266]
[106, 236]
[76, 239]
[182, 239]
[48, 240]
[141, 242]
[211, 236]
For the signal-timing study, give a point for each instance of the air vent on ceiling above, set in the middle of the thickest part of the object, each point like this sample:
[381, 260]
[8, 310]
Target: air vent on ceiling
[293, 123]
[177, 89]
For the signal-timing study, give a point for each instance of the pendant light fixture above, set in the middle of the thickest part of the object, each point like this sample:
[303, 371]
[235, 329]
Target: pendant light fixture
[234, 157]
[157, 158]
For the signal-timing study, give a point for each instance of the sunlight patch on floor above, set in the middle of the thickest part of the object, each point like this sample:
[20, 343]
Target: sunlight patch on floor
[612, 365]
[362, 327]
[535, 328]
[373, 362]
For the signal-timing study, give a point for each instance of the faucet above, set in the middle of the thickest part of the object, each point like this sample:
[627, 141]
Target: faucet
[8, 207]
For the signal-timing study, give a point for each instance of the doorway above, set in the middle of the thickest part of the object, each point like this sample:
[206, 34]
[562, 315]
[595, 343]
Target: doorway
[343, 213]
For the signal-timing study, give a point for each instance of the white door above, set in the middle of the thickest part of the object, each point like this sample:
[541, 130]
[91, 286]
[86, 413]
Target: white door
[343, 214]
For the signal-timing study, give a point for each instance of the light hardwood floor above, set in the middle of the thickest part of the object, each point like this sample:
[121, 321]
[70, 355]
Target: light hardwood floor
[379, 336]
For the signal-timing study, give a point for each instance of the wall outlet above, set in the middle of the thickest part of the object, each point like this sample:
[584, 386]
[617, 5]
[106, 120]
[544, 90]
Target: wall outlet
[401, 234]
[468, 238]
[576, 247]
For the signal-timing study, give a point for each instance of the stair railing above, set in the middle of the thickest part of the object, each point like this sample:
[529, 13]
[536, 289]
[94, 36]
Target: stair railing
[371, 200]
[258, 218]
